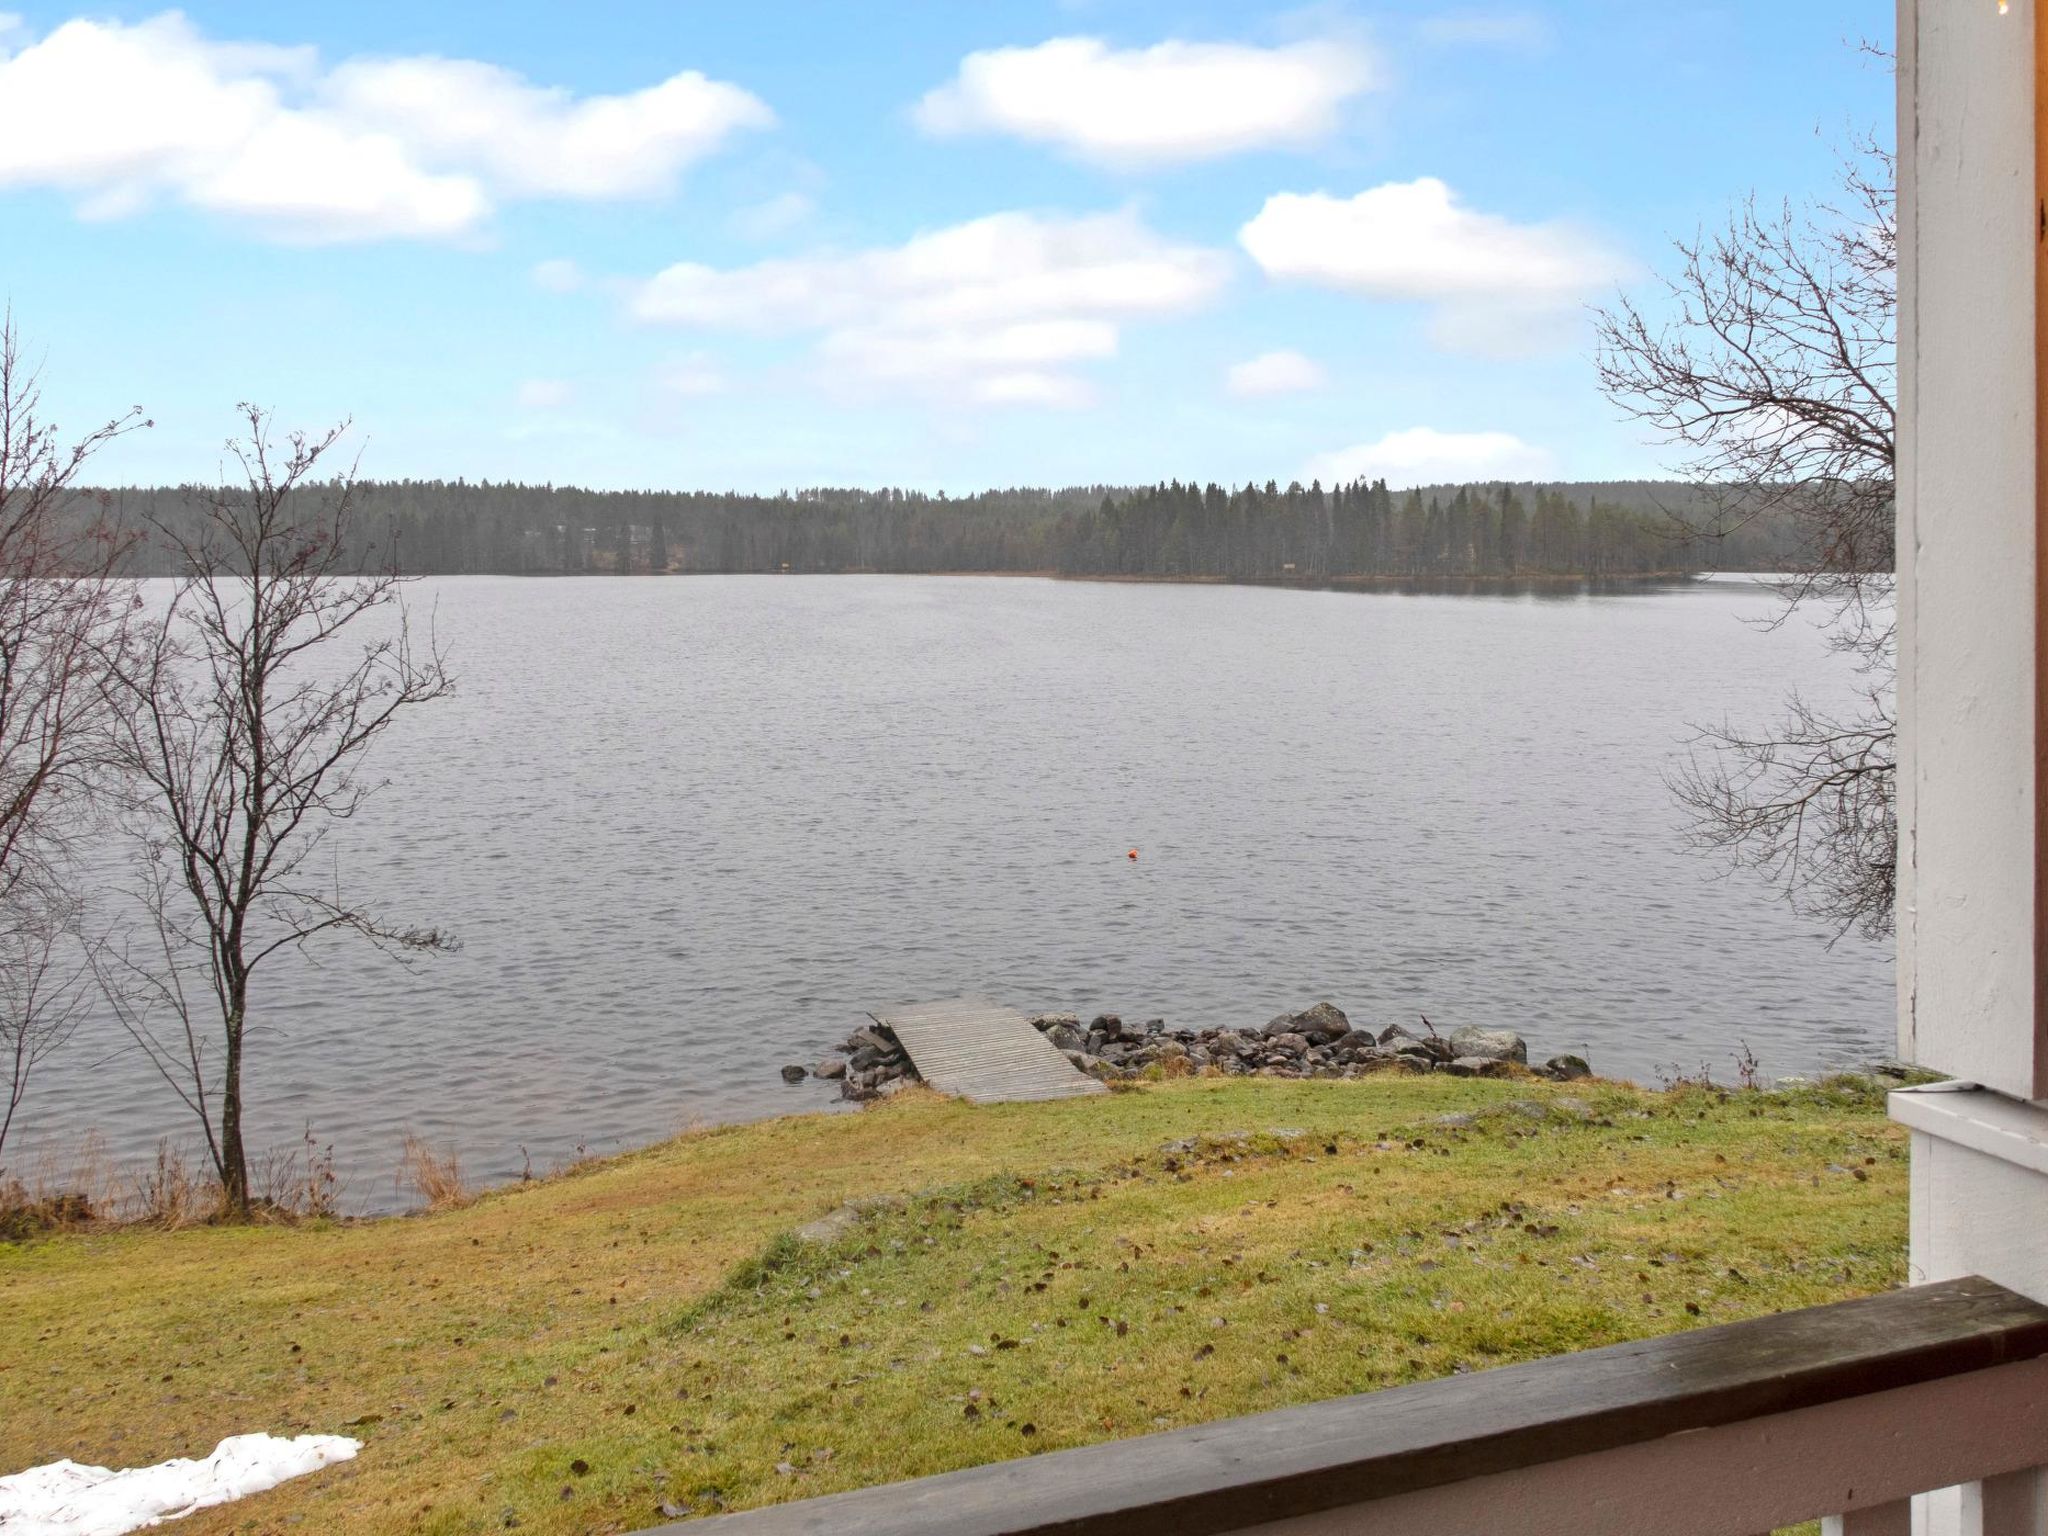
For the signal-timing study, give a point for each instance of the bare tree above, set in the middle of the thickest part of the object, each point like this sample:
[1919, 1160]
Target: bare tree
[247, 715]
[1770, 365]
[61, 610]
[43, 996]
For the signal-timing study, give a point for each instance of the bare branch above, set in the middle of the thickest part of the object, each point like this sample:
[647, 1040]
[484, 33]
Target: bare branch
[1771, 369]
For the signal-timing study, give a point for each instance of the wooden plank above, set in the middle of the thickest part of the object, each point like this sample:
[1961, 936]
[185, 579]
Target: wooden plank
[1892, 1519]
[1701, 1417]
[984, 1053]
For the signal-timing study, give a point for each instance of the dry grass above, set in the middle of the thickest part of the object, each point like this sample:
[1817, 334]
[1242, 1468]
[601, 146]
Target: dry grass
[433, 1174]
[58, 1191]
[79, 1191]
[171, 1193]
[647, 1317]
[300, 1184]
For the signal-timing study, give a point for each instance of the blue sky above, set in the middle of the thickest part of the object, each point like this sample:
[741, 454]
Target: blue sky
[943, 245]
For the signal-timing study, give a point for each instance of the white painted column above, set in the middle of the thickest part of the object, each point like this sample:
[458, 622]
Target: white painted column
[1970, 977]
[2013, 1505]
[1973, 837]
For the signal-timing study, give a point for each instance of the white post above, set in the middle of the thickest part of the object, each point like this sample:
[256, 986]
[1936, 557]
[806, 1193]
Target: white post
[1973, 689]
[1973, 564]
[2013, 1505]
[1969, 546]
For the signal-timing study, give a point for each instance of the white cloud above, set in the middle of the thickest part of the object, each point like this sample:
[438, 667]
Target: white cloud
[1168, 104]
[1425, 456]
[544, 394]
[1492, 280]
[535, 141]
[691, 377]
[772, 216]
[1276, 373]
[121, 116]
[998, 310]
[557, 275]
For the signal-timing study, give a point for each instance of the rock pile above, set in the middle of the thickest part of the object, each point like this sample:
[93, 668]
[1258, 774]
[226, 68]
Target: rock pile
[1316, 1042]
[871, 1065]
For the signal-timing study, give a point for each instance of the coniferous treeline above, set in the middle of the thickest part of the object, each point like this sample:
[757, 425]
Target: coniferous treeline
[1361, 530]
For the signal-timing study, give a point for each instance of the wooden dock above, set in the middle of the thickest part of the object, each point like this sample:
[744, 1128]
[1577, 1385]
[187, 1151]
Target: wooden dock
[984, 1053]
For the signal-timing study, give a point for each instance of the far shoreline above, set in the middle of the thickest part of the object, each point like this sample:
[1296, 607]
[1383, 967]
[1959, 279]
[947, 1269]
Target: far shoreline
[1405, 585]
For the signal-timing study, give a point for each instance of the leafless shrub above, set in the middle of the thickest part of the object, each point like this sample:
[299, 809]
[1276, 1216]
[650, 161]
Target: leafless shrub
[1674, 1078]
[300, 1181]
[1748, 1072]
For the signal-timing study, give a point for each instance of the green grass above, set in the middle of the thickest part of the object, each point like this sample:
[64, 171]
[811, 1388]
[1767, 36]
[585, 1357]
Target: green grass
[571, 1356]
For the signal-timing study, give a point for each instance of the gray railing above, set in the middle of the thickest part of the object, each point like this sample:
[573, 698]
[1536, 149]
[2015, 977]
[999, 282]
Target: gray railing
[1840, 1412]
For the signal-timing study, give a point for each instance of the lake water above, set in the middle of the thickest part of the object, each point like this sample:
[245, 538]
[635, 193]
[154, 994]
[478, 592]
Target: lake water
[689, 829]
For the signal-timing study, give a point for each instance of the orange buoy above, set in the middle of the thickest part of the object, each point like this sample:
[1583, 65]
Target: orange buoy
[1132, 854]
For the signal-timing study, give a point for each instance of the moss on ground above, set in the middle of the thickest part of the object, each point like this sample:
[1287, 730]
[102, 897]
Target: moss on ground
[576, 1355]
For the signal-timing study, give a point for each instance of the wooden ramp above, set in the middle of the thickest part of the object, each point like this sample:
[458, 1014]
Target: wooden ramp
[984, 1053]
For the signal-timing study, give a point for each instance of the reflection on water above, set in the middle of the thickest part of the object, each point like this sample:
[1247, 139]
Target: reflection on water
[689, 829]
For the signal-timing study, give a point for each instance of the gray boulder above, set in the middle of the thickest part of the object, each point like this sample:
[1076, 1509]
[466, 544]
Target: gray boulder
[1324, 1022]
[1567, 1069]
[794, 1073]
[1496, 1044]
[829, 1069]
[1067, 1037]
[1476, 1066]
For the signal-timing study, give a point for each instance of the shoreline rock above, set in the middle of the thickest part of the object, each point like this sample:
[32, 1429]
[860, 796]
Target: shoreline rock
[1319, 1041]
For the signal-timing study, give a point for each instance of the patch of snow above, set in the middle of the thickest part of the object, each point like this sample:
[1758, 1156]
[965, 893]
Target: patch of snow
[68, 1499]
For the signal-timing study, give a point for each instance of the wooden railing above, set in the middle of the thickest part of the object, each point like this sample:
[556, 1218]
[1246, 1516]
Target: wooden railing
[1841, 1412]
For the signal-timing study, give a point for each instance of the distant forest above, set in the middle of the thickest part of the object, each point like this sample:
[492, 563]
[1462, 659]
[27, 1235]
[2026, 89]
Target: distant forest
[1355, 532]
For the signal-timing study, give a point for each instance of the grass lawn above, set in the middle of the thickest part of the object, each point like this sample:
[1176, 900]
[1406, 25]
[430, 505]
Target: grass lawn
[573, 1355]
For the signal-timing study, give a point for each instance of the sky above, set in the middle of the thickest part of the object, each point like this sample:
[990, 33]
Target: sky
[926, 243]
